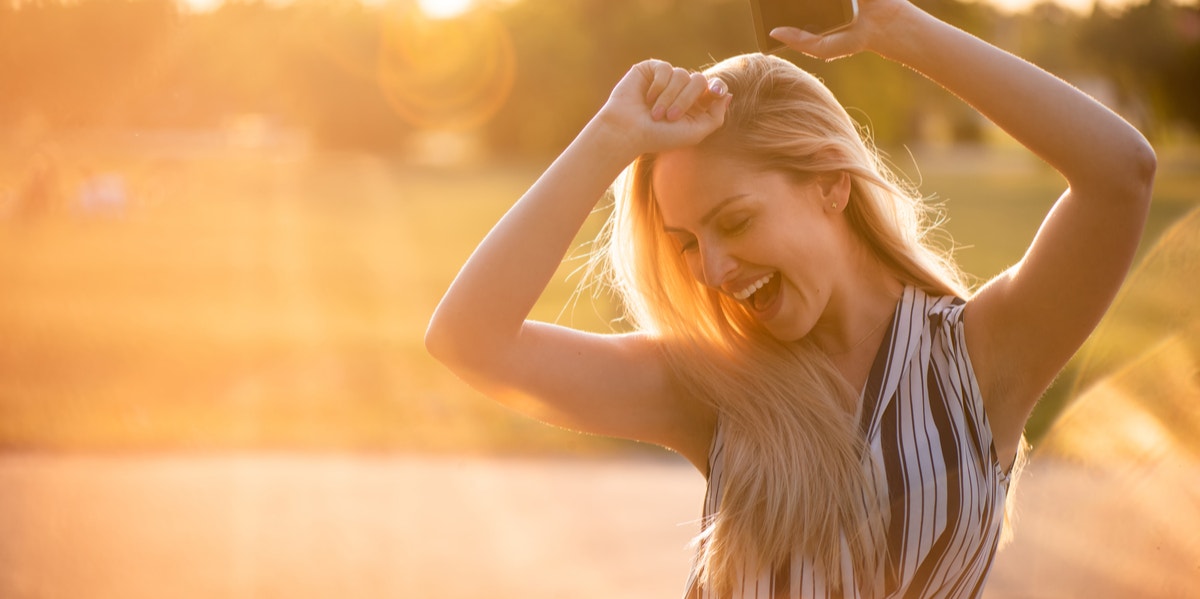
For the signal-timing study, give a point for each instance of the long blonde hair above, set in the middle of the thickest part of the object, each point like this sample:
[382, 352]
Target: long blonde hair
[793, 453]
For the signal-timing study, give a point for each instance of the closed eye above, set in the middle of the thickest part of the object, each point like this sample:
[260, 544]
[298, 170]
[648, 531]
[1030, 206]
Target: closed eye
[739, 226]
[687, 242]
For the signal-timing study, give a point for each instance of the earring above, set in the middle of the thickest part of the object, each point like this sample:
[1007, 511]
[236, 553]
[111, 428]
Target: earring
[834, 206]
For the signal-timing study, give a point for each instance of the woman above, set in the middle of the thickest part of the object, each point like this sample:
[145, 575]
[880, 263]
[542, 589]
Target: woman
[856, 410]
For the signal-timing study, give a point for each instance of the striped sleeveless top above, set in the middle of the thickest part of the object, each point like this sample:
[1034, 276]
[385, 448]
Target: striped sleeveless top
[932, 459]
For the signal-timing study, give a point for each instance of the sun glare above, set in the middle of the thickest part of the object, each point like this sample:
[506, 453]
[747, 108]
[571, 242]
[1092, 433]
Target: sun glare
[201, 6]
[444, 9]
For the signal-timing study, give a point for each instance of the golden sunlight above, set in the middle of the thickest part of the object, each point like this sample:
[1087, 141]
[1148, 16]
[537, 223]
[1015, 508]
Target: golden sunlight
[445, 73]
[1082, 7]
[444, 9]
[200, 6]
[433, 9]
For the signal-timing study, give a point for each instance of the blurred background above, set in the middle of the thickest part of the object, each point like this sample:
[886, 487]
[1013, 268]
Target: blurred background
[224, 226]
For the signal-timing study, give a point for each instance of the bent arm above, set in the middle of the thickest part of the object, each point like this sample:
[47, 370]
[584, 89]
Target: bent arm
[557, 375]
[486, 306]
[1024, 325]
[607, 384]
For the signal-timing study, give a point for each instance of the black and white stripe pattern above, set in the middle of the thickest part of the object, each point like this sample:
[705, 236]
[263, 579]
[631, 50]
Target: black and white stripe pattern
[941, 485]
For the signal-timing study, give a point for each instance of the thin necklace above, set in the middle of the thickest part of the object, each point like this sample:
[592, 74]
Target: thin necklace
[886, 318]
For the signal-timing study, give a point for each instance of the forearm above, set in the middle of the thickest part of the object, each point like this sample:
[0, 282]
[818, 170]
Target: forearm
[483, 314]
[1090, 146]
[499, 285]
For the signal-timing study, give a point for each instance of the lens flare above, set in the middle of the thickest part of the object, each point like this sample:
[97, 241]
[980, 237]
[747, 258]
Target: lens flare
[444, 9]
[1151, 399]
[445, 74]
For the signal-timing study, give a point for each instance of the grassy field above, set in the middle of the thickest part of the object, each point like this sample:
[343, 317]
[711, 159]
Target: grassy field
[277, 297]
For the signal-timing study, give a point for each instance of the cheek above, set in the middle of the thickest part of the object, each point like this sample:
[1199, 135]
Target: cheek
[807, 248]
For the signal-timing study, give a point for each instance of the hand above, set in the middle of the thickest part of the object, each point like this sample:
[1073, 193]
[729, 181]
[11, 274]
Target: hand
[879, 24]
[656, 107]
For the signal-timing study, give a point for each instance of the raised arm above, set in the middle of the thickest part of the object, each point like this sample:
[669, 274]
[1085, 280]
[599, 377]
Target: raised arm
[1024, 325]
[606, 384]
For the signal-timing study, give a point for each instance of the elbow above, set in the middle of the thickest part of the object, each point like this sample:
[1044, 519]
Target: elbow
[1147, 167]
[1127, 179]
[440, 340]
[1122, 172]
[433, 341]
[442, 337]
[463, 347]
[1142, 166]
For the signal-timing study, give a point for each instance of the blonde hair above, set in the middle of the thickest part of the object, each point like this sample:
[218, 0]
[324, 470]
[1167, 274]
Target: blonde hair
[793, 455]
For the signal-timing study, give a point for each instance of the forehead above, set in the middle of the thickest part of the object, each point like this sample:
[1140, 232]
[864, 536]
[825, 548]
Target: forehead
[688, 182]
[693, 166]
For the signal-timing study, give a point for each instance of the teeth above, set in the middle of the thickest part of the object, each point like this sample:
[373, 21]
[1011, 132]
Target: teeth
[755, 286]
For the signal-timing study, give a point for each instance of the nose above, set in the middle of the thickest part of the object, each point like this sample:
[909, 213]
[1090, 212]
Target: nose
[716, 264]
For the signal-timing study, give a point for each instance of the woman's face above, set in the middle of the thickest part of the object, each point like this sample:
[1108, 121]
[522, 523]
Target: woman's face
[770, 241]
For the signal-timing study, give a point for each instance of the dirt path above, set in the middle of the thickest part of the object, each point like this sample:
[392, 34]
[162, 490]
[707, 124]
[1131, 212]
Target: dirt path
[297, 526]
[342, 527]
[1123, 531]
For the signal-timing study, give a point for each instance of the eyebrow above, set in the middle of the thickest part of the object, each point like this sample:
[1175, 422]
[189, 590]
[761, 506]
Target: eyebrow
[711, 212]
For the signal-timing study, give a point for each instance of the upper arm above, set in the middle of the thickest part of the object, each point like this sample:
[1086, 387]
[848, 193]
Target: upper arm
[613, 385]
[1024, 325]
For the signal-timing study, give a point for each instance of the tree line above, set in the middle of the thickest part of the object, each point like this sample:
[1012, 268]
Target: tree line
[531, 71]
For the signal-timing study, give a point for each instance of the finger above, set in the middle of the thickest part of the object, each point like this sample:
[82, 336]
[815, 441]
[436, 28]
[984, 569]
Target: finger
[719, 91]
[691, 97]
[678, 81]
[659, 74]
[715, 112]
[717, 87]
[715, 91]
[826, 47]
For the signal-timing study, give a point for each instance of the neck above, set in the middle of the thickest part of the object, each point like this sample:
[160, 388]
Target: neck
[858, 311]
[852, 348]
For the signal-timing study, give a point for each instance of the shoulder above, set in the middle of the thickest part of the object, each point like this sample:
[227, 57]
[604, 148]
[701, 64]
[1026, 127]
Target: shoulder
[928, 313]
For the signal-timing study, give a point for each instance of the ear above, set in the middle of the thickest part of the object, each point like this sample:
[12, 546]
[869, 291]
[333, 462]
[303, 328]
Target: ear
[835, 190]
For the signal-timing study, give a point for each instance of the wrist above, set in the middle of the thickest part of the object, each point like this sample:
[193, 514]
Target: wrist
[612, 142]
[905, 34]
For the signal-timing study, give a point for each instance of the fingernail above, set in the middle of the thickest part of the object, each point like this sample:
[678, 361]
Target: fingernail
[657, 113]
[674, 113]
[717, 87]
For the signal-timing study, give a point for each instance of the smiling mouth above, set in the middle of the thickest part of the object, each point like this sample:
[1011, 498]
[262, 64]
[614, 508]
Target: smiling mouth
[758, 295]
